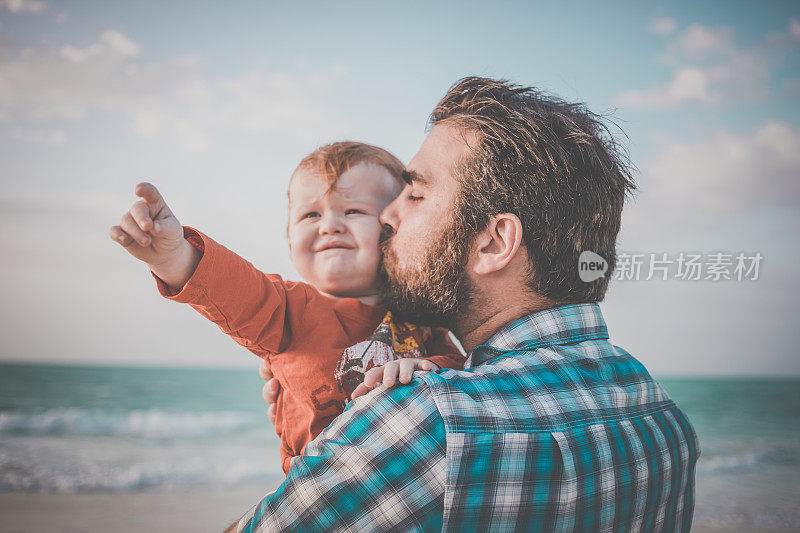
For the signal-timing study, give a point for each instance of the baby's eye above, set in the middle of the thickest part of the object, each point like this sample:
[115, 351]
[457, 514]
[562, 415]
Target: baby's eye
[311, 214]
[413, 198]
[354, 212]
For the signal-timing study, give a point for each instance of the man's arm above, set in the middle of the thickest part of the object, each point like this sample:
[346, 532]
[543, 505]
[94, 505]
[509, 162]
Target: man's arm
[380, 465]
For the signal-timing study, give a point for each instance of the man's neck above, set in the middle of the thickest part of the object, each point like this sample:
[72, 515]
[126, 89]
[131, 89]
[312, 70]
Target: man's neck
[475, 328]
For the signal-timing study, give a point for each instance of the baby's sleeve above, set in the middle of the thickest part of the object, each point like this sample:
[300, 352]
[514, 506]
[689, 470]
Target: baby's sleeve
[255, 309]
[442, 351]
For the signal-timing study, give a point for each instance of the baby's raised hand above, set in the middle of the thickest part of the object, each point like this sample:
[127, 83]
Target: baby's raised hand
[150, 232]
[391, 372]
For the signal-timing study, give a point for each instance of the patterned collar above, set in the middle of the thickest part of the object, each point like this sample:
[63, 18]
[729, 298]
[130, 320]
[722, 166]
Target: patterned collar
[560, 325]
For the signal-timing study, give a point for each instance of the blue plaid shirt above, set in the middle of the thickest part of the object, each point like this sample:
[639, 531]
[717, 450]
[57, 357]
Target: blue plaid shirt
[550, 427]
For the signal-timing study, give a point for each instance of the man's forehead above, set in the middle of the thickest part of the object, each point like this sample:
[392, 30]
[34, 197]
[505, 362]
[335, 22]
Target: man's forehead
[442, 149]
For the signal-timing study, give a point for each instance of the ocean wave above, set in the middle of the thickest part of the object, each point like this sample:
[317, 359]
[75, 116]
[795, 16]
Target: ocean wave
[743, 461]
[152, 423]
[26, 474]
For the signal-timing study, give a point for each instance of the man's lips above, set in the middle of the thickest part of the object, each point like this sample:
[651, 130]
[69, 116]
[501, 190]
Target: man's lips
[333, 246]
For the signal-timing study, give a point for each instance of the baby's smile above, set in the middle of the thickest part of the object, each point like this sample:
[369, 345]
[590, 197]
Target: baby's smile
[334, 245]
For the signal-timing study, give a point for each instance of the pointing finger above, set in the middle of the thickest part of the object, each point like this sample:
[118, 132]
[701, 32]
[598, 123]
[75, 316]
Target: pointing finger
[149, 193]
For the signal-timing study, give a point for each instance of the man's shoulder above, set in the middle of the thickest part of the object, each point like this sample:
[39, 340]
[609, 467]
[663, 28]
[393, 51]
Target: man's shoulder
[547, 389]
[550, 388]
[416, 395]
[397, 410]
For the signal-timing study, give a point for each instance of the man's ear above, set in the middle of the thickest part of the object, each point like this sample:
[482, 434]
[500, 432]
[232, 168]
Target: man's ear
[498, 244]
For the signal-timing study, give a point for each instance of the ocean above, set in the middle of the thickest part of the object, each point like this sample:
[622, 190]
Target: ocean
[75, 429]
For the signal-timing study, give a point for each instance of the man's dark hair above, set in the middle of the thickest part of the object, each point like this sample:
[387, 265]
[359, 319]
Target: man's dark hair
[553, 164]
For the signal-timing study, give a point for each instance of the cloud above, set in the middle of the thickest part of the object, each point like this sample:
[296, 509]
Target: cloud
[710, 68]
[701, 42]
[688, 85]
[174, 101]
[687, 186]
[111, 43]
[23, 6]
[729, 173]
[663, 25]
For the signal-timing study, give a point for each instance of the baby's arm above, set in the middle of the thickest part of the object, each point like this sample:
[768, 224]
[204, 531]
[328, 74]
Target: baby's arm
[250, 306]
[445, 353]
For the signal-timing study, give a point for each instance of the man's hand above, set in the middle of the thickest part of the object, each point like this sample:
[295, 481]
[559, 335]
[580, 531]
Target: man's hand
[270, 390]
[389, 373]
[151, 233]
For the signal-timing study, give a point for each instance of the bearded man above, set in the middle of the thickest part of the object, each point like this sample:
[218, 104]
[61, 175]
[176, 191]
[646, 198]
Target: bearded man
[549, 427]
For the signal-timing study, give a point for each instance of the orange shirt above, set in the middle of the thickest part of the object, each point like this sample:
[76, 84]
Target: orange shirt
[297, 330]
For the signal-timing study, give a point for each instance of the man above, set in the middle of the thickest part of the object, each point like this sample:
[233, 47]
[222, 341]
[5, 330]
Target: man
[549, 427]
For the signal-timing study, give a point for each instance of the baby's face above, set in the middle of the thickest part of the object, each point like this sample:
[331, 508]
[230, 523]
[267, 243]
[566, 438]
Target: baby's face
[333, 236]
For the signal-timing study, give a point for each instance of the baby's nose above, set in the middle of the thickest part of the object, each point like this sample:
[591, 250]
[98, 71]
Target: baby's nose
[331, 225]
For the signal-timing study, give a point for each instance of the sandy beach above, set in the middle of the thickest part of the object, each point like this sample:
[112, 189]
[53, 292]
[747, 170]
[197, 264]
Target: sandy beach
[198, 509]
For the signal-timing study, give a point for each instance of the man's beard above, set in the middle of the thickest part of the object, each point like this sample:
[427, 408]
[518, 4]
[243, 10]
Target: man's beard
[434, 290]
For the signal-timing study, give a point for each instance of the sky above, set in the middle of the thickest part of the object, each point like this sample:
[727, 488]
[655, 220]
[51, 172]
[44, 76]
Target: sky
[215, 103]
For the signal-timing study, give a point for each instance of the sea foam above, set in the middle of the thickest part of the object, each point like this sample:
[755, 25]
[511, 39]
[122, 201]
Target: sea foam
[151, 423]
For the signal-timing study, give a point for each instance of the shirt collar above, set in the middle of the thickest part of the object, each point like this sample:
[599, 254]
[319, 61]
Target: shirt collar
[559, 325]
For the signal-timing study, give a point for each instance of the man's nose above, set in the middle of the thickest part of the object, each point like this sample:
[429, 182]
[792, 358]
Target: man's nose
[389, 218]
[331, 225]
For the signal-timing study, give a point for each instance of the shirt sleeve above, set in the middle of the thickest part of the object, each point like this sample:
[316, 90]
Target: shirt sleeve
[442, 351]
[253, 308]
[379, 466]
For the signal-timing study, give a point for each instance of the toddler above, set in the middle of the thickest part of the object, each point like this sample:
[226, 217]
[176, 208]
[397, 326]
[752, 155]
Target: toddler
[317, 337]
